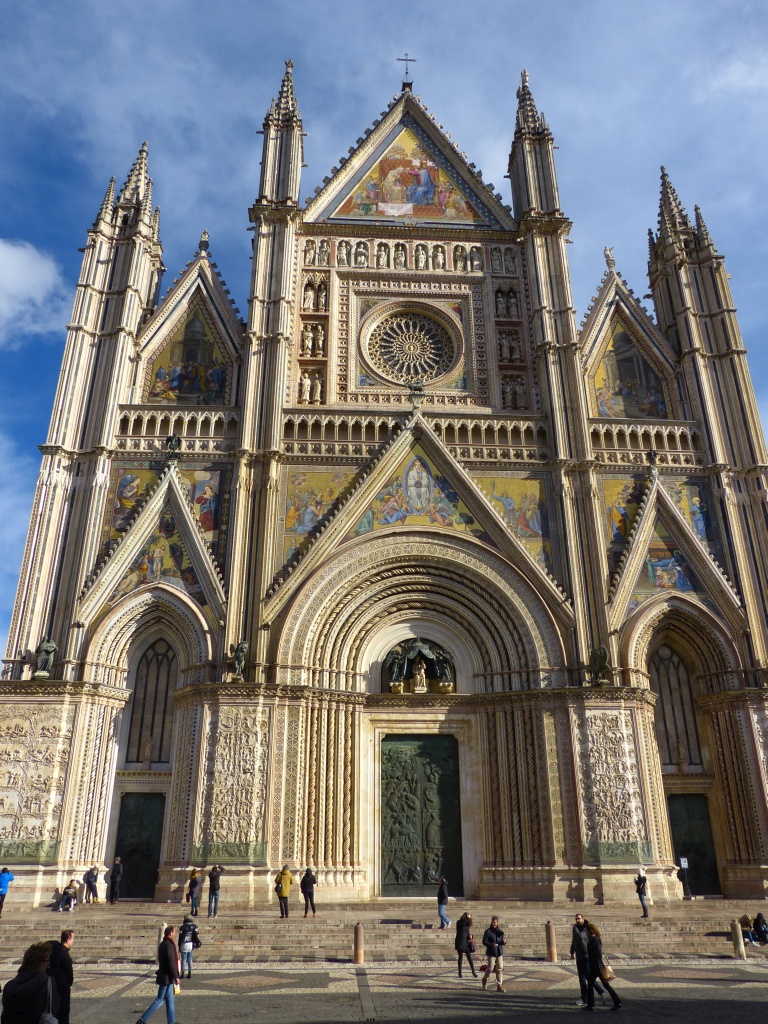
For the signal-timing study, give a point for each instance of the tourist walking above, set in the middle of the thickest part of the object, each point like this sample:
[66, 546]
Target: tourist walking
[494, 942]
[214, 887]
[91, 880]
[442, 903]
[31, 993]
[193, 891]
[167, 978]
[307, 886]
[60, 970]
[465, 942]
[579, 939]
[189, 941]
[641, 888]
[5, 880]
[598, 968]
[115, 877]
[283, 881]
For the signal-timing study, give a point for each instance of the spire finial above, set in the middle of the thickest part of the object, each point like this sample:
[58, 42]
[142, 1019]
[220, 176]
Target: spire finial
[610, 262]
[407, 80]
[108, 202]
[137, 183]
[671, 210]
[527, 115]
[203, 244]
[287, 107]
[702, 231]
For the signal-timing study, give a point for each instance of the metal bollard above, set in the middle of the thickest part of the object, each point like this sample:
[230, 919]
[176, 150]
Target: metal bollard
[551, 942]
[358, 955]
[739, 952]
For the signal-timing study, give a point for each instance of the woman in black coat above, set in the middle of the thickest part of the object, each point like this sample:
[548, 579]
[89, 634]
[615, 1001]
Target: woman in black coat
[596, 967]
[464, 943]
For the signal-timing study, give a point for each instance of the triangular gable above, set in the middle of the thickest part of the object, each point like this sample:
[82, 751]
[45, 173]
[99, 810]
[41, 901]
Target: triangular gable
[665, 558]
[407, 171]
[627, 361]
[165, 546]
[191, 347]
[415, 484]
[621, 500]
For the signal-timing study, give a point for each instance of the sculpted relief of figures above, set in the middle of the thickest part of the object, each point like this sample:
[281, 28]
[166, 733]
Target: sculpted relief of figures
[34, 755]
[609, 780]
[234, 805]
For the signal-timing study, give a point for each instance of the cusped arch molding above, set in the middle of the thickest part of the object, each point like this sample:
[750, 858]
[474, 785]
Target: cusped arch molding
[508, 632]
[687, 626]
[153, 612]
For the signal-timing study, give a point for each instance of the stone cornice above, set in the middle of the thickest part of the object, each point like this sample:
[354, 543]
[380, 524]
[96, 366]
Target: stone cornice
[56, 689]
[732, 700]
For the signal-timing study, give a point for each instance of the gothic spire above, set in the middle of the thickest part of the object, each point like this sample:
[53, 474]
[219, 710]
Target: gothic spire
[107, 203]
[671, 211]
[527, 115]
[137, 182]
[702, 231]
[287, 107]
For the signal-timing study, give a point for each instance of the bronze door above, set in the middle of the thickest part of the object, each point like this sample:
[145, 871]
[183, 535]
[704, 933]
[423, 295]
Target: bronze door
[420, 816]
[692, 838]
[139, 835]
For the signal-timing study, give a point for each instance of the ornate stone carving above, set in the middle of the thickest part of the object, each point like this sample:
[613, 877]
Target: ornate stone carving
[411, 346]
[231, 820]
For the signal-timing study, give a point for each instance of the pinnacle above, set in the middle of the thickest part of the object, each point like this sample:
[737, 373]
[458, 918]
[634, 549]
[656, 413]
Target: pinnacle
[287, 107]
[527, 115]
[671, 211]
[702, 231]
[137, 183]
[108, 202]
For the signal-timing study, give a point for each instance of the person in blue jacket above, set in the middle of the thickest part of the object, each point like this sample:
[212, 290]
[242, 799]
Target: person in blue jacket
[5, 880]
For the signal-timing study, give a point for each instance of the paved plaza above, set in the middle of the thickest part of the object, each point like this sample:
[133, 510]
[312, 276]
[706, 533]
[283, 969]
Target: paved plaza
[692, 990]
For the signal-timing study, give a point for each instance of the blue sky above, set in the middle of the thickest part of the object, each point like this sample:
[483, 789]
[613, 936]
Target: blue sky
[625, 88]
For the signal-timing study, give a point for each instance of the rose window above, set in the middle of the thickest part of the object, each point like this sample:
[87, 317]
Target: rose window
[410, 347]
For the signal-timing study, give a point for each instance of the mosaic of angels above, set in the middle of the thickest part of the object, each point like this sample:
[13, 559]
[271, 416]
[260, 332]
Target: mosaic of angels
[621, 499]
[309, 497]
[190, 369]
[626, 385]
[693, 499]
[132, 483]
[162, 559]
[417, 495]
[522, 504]
[666, 569]
[408, 180]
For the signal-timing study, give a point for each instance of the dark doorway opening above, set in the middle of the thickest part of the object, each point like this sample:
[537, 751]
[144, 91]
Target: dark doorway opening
[692, 838]
[420, 816]
[139, 837]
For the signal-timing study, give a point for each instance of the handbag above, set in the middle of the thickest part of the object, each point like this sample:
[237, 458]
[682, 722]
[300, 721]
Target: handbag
[606, 972]
[471, 945]
[46, 1017]
[176, 988]
[188, 897]
[279, 888]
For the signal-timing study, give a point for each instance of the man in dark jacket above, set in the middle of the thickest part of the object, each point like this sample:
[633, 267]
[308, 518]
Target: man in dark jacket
[167, 977]
[494, 943]
[307, 886]
[60, 970]
[579, 952]
[26, 997]
[115, 876]
[214, 885]
[641, 888]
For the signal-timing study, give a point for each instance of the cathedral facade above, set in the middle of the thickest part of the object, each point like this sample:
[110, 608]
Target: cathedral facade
[405, 574]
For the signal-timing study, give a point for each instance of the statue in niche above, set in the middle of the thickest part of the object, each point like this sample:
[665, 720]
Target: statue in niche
[459, 259]
[496, 261]
[399, 257]
[342, 254]
[421, 257]
[512, 307]
[382, 257]
[438, 258]
[509, 261]
[323, 252]
[45, 652]
[361, 255]
[322, 296]
[309, 254]
[306, 340]
[508, 397]
[238, 654]
[419, 677]
[501, 303]
[319, 340]
[475, 260]
[147, 750]
[305, 387]
[505, 354]
[317, 389]
[308, 301]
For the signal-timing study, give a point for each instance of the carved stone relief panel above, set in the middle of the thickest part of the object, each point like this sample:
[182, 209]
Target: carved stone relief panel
[613, 819]
[231, 820]
[35, 745]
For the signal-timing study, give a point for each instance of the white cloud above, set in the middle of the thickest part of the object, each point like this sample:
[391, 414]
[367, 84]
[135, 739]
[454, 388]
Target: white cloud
[33, 297]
